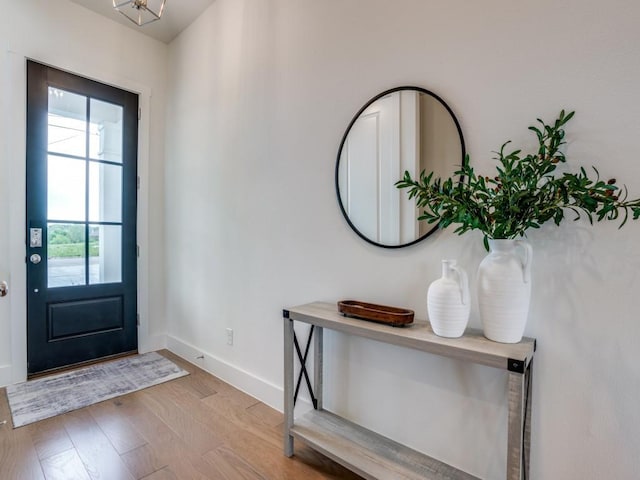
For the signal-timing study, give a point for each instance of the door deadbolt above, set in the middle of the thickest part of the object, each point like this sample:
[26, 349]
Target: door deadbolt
[35, 237]
[35, 258]
[4, 289]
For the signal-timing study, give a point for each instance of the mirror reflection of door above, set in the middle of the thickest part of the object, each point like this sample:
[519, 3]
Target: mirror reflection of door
[372, 157]
[81, 219]
[403, 130]
[440, 148]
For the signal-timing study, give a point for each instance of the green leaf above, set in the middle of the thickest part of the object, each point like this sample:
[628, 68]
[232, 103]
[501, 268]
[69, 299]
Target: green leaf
[523, 192]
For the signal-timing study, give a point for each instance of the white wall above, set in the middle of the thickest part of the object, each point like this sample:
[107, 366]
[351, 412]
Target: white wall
[65, 35]
[260, 92]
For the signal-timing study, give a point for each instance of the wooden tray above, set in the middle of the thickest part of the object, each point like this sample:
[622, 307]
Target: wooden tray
[394, 316]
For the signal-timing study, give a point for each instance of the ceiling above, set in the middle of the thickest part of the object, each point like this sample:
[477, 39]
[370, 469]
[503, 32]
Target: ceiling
[178, 14]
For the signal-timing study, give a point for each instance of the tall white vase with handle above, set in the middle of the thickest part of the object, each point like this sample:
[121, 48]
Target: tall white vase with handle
[448, 302]
[504, 290]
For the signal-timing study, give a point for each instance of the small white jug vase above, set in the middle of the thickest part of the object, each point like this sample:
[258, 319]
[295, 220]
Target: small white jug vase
[448, 302]
[504, 290]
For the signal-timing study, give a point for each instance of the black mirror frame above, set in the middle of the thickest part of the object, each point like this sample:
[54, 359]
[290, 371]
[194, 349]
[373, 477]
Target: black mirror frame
[344, 138]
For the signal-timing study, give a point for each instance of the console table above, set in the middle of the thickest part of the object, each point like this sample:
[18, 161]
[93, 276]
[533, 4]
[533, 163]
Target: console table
[369, 454]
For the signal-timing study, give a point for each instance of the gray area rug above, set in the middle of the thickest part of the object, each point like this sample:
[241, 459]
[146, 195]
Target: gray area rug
[50, 396]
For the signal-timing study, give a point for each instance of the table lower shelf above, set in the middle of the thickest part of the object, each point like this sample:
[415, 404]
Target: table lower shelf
[367, 453]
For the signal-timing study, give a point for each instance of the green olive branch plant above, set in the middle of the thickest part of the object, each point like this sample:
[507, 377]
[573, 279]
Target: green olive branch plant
[525, 192]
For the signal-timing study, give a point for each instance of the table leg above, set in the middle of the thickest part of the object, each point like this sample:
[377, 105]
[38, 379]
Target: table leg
[519, 434]
[527, 420]
[318, 354]
[516, 417]
[288, 386]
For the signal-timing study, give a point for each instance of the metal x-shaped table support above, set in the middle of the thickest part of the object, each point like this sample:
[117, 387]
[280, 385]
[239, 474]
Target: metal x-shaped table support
[303, 368]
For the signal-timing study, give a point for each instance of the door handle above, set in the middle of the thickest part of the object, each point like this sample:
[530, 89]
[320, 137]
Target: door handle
[35, 258]
[4, 289]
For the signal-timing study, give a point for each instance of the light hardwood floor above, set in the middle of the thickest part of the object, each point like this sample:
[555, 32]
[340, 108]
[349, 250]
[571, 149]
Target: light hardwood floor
[194, 428]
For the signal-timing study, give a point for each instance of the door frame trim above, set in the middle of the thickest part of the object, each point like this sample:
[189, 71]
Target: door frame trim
[17, 79]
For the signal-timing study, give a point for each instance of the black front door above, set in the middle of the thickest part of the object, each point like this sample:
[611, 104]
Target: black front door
[81, 179]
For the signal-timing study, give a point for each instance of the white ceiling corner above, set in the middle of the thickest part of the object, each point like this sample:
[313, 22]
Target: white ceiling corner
[178, 14]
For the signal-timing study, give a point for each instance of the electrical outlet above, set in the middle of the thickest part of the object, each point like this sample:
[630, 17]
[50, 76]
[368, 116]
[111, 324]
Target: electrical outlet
[229, 336]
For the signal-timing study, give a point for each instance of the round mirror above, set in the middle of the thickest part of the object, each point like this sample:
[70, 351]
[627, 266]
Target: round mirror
[405, 128]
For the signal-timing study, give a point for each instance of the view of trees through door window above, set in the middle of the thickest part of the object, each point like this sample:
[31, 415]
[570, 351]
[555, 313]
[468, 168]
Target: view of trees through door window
[84, 185]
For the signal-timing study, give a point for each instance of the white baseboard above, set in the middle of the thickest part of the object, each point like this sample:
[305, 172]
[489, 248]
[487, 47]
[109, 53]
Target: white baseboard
[5, 375]
[249, 383]
[255, 386]
[152, 343]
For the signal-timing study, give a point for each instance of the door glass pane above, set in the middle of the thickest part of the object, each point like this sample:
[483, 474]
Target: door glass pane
[65, 254]
[66, 180]
[105, 253]
[105, 192]
[105, 131]
[67, 123]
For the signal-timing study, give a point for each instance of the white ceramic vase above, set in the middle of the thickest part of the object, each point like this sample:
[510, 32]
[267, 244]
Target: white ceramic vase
[504, 290]
[448, 303]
